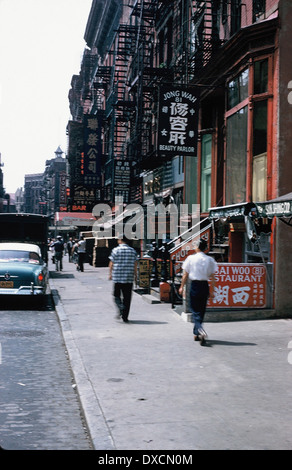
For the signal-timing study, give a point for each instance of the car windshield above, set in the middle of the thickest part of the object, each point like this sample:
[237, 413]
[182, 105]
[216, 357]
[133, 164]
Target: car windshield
[9, 256]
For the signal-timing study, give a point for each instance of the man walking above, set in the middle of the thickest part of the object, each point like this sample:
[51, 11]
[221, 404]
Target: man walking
[69, 249]
[123, 271]
[58, 246]
[81, 253]
[199, 268]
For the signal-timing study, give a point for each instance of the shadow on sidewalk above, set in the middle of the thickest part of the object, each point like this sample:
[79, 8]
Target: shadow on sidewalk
[148, 322]
[60, 275]
[213, 342]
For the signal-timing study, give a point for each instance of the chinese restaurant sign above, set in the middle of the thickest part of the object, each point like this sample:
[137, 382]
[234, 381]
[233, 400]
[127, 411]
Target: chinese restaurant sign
[239, 286]
[178, 121]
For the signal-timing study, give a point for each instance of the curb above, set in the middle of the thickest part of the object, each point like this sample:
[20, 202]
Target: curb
[98, 429]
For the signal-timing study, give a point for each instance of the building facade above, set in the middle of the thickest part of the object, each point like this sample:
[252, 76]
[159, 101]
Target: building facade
[33, 187]
[192, 105]
[54, 194]
[45, 193]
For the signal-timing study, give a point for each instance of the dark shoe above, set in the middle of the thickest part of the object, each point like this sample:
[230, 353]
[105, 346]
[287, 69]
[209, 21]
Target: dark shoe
[196, 338]
[125, 319]
[203, 336]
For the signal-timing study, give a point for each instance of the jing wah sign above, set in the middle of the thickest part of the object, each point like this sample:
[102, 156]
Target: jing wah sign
[178, 121]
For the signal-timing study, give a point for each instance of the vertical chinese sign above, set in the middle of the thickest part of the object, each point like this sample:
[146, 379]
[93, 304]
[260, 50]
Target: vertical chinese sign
[87, 184]
[62, 189]
[178, 121]
[92, 150]
[122, 179]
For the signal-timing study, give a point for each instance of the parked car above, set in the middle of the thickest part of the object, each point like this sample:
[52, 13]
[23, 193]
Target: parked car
[22, 270]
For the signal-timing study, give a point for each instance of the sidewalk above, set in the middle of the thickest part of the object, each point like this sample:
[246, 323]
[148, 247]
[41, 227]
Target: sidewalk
[147, 385]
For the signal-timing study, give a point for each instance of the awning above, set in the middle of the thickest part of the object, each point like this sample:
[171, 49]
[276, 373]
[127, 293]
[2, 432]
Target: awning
[232, 211]
[63, 228]
[80, 219]
[278, 207]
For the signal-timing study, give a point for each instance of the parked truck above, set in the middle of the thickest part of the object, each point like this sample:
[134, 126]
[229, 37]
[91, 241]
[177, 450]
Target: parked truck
[28, 228]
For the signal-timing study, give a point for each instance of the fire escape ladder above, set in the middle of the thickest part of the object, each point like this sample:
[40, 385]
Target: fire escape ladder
[205, 39]
[125, 48]
[100, 85]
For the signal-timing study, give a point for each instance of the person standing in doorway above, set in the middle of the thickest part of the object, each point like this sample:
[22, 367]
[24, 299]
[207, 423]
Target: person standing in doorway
[199, 268]
[81, 253]
[123, 272]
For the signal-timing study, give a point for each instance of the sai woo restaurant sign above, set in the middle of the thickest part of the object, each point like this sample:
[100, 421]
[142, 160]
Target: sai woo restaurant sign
[239, 286]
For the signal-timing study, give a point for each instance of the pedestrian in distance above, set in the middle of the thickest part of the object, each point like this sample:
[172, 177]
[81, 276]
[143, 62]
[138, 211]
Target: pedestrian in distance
[199, 268]
[81, 253]
[123, 272]
[74, 253]
[69, 249]
[59, 247]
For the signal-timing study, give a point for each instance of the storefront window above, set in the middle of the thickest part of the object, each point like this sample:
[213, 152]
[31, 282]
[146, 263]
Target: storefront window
[261, 76]
[238, 89]
[206, 172]
[236, 157]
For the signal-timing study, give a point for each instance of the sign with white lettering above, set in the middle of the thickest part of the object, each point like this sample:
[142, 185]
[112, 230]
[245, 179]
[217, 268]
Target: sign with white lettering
[239, 286]
[178, 121]
[122, 179]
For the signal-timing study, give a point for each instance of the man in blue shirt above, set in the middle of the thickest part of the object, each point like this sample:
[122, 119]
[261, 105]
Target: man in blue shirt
[123, 272]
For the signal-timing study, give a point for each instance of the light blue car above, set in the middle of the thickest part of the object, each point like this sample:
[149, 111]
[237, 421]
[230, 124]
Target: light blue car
[22, 270]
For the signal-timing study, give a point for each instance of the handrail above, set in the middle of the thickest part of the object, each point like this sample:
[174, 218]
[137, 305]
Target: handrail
[197, 234]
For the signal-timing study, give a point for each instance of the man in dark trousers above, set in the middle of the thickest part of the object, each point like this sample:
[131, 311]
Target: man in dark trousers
[123, 271]
[59, 247]
[81, 253]
[199, 268]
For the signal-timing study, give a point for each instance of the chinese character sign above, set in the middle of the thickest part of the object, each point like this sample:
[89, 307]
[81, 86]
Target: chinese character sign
[62, 189]
[239, 286]
[178, 121]
[91, 165]
[122, 179]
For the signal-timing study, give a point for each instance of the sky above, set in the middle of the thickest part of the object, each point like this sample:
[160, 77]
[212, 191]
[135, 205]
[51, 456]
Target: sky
[41, 47]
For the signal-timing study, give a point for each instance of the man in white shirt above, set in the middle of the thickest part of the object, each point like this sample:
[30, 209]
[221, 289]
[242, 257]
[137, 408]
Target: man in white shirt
[199, 268]
[81, 253]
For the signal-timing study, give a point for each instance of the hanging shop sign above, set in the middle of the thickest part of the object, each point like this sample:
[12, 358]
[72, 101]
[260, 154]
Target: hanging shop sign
[239, 286]
[63, 195]
[122, 180]
[84, 198]
[91, 155]
[178, 121]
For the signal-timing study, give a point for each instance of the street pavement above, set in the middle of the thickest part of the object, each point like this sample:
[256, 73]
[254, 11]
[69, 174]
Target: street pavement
[146, 385]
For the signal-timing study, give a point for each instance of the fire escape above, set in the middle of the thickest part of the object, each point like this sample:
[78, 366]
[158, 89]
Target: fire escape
[205, 36]
[137, 72]
[143, 80]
